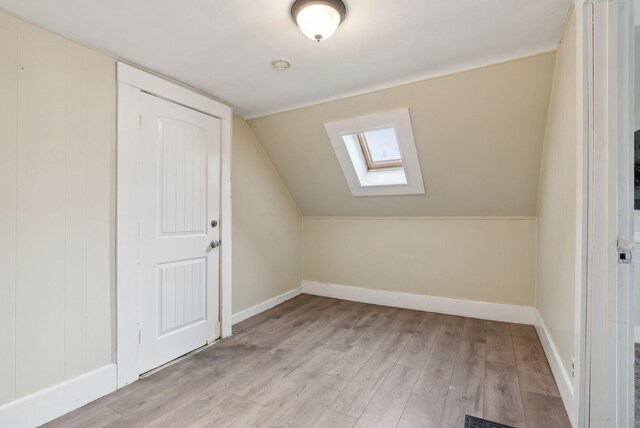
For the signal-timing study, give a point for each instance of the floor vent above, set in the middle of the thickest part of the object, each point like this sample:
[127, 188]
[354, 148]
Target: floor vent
[473, 422]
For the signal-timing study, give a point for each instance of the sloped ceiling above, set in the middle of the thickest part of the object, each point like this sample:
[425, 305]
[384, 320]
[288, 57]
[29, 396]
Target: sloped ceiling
[479, 137]
[225, 47]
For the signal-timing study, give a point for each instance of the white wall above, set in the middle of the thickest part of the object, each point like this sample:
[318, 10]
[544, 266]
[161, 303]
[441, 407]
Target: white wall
[557, 211]
[481, 259]
[267, 225]
[57, 215]
[637, 72]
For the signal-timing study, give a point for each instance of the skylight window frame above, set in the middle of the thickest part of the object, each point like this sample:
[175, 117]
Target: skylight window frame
[365, 182]
[371, 164]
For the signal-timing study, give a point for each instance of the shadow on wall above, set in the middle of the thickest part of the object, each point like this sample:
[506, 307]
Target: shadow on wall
[636, 217]
[636, 168]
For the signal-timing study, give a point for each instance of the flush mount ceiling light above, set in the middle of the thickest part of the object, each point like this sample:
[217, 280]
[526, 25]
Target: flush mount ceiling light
[318, 19]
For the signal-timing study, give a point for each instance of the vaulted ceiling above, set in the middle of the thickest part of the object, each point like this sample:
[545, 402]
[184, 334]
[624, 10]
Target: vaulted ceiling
[479, 137]
[225, 47]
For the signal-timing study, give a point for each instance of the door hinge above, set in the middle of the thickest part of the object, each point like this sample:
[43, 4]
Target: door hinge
[573, 368]
[625, 251]
[139, 337]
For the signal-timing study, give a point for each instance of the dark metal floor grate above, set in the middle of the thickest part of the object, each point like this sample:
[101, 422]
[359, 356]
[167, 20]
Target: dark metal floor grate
[473, 422]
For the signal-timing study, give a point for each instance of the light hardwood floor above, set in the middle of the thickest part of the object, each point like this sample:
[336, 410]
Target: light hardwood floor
[320, 362]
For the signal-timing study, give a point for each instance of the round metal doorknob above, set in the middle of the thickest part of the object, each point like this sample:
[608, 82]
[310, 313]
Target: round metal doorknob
[215, 243]
[214, 223]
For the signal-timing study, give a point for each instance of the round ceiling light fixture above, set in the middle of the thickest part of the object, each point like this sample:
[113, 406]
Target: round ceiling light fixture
[318, 19]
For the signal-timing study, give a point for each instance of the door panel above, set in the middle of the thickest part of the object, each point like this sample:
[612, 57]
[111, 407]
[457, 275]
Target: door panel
[180, 194]
[183, 177]
[181, 294]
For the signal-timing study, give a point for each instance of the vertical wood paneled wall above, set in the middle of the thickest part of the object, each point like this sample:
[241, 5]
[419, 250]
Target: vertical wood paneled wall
[57, 209]
[557, 207]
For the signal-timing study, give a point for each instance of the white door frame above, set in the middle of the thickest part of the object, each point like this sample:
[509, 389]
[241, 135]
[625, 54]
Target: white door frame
[131, 81]
[583, 15]
[605, 394]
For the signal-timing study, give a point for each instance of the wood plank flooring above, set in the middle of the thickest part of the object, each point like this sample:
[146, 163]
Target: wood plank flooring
[320, 362]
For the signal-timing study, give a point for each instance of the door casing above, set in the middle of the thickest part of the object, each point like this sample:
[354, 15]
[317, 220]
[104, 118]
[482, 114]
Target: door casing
[605, 382]
[132, 82]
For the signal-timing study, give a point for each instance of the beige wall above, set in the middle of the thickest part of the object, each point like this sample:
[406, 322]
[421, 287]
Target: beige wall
[267, 225]
[489, 260]
[557, 203]
[478, 136]
[57, 209]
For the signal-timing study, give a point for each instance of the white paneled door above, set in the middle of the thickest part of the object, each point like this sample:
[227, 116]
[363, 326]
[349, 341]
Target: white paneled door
[179, 233]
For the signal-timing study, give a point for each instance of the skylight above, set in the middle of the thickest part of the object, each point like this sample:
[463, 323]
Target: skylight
[380, 149]
[377, 154]
[384, 172]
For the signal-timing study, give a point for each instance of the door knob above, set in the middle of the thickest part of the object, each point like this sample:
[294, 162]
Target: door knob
[215, 243]
[214, 223]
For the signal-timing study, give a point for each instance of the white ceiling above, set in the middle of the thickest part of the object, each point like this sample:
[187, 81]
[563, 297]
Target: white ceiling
[224, 47]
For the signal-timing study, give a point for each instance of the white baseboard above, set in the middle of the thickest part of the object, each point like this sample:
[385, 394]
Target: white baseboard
[53, 402]
[255, 310]
[563, 379]
[443, 305]
[636, 334]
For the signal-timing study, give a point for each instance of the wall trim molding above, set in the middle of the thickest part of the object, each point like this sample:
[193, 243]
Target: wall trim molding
[50, 403]
[426, 218]
[444, 305]
[636, 334]
[563, 379]
[266, 305]
[416, 78]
